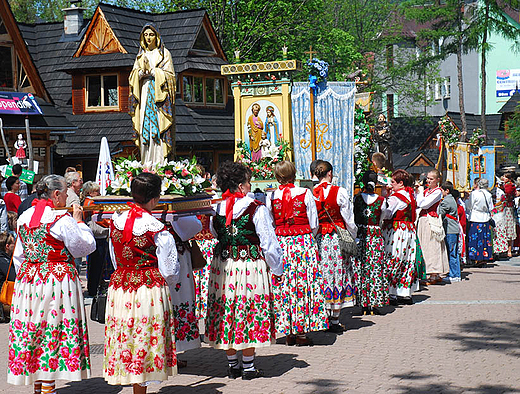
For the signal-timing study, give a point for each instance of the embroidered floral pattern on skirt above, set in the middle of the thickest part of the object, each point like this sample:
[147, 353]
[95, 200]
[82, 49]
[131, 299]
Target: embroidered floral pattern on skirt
[48, 336]
[336, 269]
[369, 268]
[139, 336]
[299, 302]
[201, 278]
[480, 245]
[505, 231]
[240, 304]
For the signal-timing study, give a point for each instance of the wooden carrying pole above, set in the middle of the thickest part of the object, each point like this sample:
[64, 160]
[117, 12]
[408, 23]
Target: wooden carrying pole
[313, 126]
[29, 143]
[5, 142]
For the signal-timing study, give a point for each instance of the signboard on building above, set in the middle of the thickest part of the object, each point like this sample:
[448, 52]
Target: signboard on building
[15, 103]
[507, 81]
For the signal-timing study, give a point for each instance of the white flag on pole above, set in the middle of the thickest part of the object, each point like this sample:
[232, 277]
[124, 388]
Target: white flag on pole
[105, 170]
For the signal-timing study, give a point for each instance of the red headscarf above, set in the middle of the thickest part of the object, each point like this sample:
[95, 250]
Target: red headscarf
[230, 203]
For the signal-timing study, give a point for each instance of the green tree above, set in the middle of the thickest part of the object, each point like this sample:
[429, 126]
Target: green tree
[512, 126]
[29, 11]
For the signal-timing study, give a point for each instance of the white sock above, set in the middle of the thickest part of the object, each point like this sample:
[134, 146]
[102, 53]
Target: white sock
[248, 363]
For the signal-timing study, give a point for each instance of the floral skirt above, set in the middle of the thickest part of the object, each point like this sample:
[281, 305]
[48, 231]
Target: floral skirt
[201, 278]
[480, 245]
[48, 337]
[298, 299]
[336, 269]
[400, 252]
[139, 336]
[240, 304]
[370, 271]
[505, 231]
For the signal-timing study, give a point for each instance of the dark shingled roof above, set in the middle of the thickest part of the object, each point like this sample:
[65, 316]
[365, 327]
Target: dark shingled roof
[52, 53]
[511, 104]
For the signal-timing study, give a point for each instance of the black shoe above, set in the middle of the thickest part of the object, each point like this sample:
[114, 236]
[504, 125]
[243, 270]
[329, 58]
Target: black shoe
[234, 373]
[336, 329]
[394, 302]
[255, 373]
[405, 300]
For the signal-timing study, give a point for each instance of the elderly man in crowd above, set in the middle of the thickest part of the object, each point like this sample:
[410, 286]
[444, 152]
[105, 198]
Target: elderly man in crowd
[74, 184]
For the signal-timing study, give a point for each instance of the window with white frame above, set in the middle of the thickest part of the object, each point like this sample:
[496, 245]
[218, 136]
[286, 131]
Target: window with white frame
[437, 91]
[447, 88]
[102, 91]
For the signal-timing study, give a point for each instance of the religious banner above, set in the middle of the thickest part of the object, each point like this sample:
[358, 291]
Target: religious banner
[457, 160]
[14, 103]
[483, 166]
[334, 114]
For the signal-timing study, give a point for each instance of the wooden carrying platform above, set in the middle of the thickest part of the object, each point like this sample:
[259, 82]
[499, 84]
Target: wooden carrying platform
[169, 207]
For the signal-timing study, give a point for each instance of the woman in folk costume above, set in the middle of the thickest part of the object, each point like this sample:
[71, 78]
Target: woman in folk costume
[505, 230]
[400, 239]
[139, 329]
[298, 298]
[370, 271]
[183, 292]
[430, 231]
[240, 301]
[479, 206]
[152, 97]
[48, 337]
[334, 209]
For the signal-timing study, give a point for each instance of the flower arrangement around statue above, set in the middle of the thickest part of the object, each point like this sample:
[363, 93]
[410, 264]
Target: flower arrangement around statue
[264, 168]
[362, 146]
[318, 71]
[477, 139]
[178, 177]
[448, 131]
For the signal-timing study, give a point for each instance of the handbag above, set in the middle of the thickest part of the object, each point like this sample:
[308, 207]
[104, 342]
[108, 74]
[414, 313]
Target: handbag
[346, 243]
[198, 261]
[6, 294]
[99, 306]
[491, 221]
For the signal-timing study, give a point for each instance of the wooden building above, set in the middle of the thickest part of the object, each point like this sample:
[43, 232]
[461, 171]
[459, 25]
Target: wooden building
[84, 66]
[19, 74]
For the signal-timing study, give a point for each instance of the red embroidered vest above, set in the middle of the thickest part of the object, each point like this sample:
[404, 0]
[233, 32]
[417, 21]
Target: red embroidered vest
[44, 254]
[205, 233]
[298, 223]
[331, 204]
[136, 261]
[432, 211]
[404, 218]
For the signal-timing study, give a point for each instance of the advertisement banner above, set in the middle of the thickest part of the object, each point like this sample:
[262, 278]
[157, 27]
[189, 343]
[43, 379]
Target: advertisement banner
[507, 82]
[15, 103]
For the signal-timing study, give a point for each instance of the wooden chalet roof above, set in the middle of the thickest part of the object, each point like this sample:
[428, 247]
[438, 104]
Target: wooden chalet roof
[511, 104]
[53, 51]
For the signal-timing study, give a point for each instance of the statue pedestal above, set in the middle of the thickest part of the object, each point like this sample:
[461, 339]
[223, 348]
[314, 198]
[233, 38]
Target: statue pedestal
[169, 207]
[270, 184]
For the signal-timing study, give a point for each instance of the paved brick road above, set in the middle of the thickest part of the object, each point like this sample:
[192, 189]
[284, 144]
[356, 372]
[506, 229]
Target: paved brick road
[457, 338]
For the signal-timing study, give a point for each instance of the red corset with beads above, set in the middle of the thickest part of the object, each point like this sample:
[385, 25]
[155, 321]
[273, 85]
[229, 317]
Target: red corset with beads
[297, 222]
[404, 218]
[136, 261]
[44, 254]
[331, 204]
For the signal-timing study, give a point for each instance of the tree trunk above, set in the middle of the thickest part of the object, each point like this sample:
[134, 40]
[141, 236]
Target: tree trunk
[483, 73]
[460, 81]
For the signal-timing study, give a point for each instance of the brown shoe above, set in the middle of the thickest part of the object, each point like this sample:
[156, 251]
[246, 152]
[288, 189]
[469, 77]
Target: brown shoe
[290, 340]
[304, 341]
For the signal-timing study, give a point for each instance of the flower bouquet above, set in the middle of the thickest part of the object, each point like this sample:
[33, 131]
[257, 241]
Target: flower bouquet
[178, 177]
[318, 71]
[449, 132]
[478, 138]
[264, 168]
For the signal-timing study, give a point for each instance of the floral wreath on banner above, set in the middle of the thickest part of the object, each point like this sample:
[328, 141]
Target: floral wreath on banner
[178, 177]
[448, 131]
[362, 146]
[477, 139]
[318, 71]
[264, 168]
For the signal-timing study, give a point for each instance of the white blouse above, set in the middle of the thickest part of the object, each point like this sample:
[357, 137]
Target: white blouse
[77, 237]
[166, 251]
[345, 208]
[264, 228]
[430, 197]
[479, 206]
[395, 204]
[310, 203]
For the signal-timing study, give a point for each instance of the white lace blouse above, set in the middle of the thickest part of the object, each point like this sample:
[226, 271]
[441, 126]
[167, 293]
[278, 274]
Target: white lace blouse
[394, 204]
[310, 203]
[77, 237]
[166, 251]
[264, 228]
